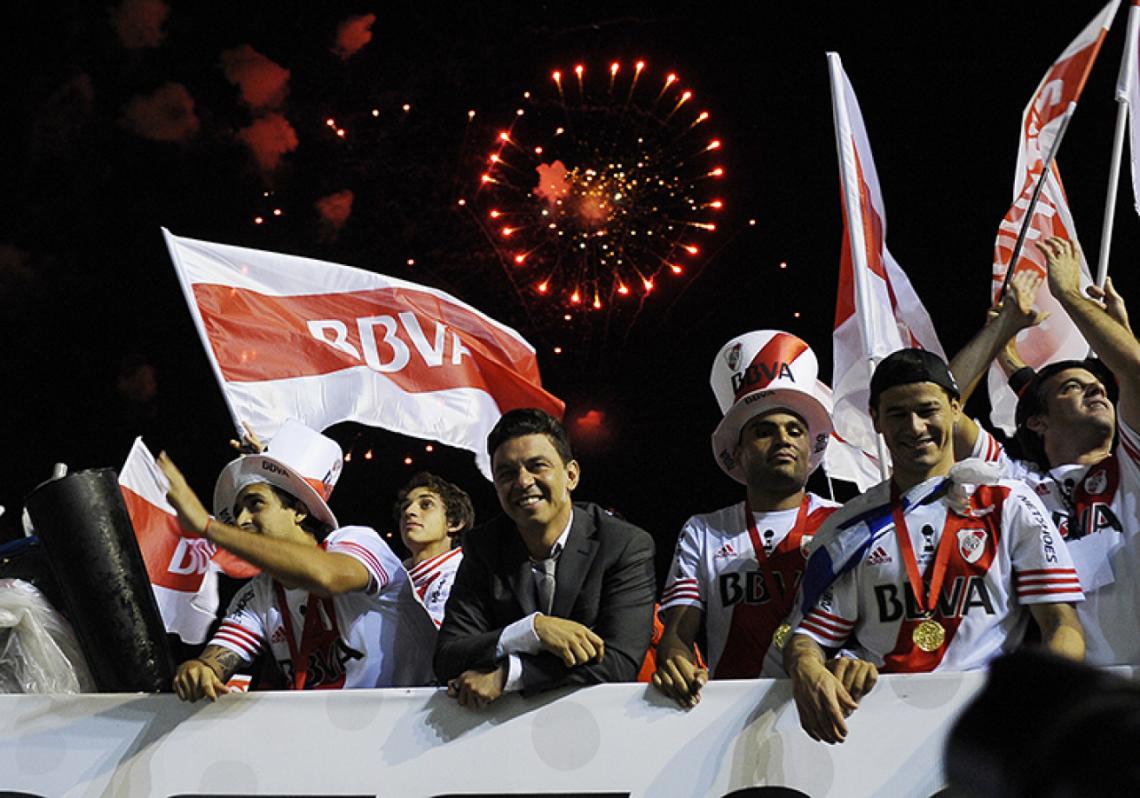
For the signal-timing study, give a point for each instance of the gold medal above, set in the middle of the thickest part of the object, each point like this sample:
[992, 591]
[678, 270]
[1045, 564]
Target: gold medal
[780, 636]
[929, 635]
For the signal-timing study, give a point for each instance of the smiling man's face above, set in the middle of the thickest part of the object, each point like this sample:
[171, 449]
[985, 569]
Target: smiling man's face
[533, 483]
[917, 422]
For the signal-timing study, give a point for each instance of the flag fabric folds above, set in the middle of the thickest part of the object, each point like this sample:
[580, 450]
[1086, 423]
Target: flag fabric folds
[183, 570]
[1044, 117]
[877, 311]
[292, 337]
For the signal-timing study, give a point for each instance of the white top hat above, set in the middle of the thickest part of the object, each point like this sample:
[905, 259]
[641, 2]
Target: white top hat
[762, 371]
[299, 460]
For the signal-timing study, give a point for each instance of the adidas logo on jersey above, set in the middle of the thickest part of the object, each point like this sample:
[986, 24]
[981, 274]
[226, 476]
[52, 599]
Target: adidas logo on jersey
[725, 551]
[879, 557]
[278, 635]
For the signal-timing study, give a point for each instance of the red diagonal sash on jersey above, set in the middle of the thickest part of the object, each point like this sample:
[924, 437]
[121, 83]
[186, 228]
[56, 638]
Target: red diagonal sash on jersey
[316, 639]
[753, 625]
[292, 337]
[948, 568]
[1052, 103]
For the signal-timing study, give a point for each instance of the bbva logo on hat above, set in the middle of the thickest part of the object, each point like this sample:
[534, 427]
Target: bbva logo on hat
[762, 371]
[299, 460]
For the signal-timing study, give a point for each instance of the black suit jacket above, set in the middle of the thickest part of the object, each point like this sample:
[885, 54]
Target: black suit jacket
[604, 580]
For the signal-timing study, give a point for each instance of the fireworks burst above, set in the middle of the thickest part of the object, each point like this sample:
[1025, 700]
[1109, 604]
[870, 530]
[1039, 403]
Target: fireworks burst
[603, 186]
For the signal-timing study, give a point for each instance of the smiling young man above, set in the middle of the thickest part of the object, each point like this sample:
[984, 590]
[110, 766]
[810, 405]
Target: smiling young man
[929, 570]
[735, 571]
[551, 593]
[432, 513]
[1078, 425]
[333, 605]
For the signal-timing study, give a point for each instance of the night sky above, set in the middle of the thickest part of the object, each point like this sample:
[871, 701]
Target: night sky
[91, 172]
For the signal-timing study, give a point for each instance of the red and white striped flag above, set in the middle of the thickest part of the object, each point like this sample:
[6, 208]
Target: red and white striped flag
[1128, 92]
[1052, 104]
[877, 311]
[183, 571]
[292, 337]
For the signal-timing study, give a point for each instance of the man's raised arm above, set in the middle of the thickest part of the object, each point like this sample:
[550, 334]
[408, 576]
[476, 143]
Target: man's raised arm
[1014, 314]
[1106, 332]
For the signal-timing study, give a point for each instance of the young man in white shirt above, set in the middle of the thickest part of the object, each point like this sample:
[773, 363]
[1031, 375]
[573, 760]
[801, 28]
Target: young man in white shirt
[333, 605]
[432, 513]
[928, 570]
[1079, 429]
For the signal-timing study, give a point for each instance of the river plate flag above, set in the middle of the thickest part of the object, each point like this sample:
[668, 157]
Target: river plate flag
[183, 570]
[293, 337]
[1054, 100]
[889, 316]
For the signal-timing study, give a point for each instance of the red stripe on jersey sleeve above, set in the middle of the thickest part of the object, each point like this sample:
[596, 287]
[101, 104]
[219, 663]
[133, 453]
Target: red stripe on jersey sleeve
[822, 634]
[1052, 591]
[1060, 572]
[367, 559]
[239, 639]
[835, 620]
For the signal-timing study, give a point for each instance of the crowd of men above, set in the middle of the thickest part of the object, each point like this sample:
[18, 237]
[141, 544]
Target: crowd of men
[961, 555]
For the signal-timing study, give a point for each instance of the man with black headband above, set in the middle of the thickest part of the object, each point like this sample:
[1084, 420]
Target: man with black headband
[1068, 416]
[930, 569]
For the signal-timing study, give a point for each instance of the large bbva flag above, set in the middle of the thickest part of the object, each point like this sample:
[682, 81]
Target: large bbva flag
[183, 570]
[1128, 91]
[292, 337]
[1052, 103]
[877, 311]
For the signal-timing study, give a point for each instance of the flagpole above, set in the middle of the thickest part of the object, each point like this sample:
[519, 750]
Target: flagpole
[1028, 219]
[849, 175]
[1125, 84]
[1110, 196]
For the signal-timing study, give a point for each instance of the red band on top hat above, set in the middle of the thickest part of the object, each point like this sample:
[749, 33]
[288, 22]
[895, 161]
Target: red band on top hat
[773, 360]
[323, 489]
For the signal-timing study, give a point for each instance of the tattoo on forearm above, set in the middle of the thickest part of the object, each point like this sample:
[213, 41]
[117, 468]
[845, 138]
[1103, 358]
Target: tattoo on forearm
[222, 660]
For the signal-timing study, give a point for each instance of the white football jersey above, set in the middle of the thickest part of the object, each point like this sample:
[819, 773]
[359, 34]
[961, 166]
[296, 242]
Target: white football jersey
[1004, 554]
[715, 569]
[432, 580]
[1097, 510]
[378, 637]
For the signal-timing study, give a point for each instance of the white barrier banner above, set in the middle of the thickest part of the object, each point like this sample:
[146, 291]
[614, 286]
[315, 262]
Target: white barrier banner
[610, 739]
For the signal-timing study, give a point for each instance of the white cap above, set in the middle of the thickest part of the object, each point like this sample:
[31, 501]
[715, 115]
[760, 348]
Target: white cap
[299, 460]
[763, 371]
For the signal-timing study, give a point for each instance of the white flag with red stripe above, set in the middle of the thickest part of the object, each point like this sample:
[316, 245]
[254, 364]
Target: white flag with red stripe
[1128, 92]
[292, 337]
[1052, 103]
[877, 311]
[182, 570]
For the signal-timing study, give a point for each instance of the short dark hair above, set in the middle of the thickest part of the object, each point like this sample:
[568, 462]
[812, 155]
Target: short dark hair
[310, 523]
[456, 503]
[1033, 402]
[530, 421]
[908, 366]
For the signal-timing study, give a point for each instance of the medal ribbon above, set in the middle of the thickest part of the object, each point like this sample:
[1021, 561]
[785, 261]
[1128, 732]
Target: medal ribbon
[753, 626]
[791, 540]
[309, 635]
[926, 602]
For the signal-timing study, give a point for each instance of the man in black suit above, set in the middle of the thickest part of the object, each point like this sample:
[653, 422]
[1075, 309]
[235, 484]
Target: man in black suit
[552, 593]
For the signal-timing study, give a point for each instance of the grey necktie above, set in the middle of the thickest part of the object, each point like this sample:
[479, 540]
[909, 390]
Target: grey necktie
[544, 582]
